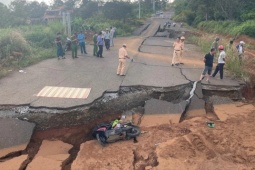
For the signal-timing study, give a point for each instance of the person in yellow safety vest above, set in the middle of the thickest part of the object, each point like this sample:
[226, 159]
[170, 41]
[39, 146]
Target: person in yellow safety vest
[115, 123]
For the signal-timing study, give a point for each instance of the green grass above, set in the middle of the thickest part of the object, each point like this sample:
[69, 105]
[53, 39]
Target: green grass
[202, 42]
[33, 43]
[229, 27]
[236, 67]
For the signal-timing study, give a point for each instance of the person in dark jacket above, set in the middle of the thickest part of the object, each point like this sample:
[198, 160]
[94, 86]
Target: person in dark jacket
[208, 60]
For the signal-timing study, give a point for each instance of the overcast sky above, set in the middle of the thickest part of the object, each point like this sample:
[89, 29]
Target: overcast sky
[7, 2]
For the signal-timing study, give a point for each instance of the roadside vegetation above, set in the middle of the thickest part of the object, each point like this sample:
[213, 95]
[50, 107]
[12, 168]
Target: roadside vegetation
[26, 38]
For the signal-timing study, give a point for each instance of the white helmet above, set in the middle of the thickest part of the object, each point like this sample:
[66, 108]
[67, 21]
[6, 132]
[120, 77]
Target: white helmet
[242, 42]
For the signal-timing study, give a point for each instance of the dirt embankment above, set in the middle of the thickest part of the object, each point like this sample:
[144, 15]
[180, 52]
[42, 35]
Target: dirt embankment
[188, 145]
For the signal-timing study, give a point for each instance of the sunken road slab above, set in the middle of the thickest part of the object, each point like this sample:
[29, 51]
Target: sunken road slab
[158, 41]
[196, 107]
[15, 135]
[154, 76]
[162, 112]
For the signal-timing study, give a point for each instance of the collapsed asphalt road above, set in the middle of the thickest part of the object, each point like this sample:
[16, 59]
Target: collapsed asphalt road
[149, 79]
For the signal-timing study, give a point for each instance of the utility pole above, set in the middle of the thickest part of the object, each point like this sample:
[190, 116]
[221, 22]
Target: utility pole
[153, 3]
[67, 23]
[139, 1]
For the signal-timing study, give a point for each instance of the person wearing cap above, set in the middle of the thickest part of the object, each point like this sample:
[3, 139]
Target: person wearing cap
[240, 49]
[221, 62]
[178, 46]
[229, 48]
[107, 39]
[208, 60]
[181, 54]
[123, 55]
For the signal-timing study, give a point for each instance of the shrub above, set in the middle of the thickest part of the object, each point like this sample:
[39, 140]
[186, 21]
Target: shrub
[246, 28]
[248, 16]
[26, 45]
[13, 41]
[229, 27]
[234, 65]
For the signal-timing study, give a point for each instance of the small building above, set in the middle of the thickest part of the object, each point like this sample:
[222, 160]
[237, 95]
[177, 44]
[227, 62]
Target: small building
[55, 14]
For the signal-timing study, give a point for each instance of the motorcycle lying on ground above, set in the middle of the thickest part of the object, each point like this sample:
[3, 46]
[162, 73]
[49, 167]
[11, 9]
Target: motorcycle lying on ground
[105, 133]
[68, 44]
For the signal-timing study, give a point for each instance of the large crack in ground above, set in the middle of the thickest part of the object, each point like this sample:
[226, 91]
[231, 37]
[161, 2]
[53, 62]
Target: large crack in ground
[54, 124]
[74, 125]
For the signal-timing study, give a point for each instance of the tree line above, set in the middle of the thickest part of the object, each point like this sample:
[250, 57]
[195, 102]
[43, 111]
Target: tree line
[18, 12]
[195, 11]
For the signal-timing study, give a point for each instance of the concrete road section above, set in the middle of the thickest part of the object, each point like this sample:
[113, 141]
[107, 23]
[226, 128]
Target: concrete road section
[150, 67]
[162, 112]
[15, 135]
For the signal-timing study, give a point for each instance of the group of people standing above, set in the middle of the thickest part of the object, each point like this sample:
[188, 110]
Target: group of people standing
[76, 39]
[103, 38]
[216, 49]
[79, 39]
[220, 50]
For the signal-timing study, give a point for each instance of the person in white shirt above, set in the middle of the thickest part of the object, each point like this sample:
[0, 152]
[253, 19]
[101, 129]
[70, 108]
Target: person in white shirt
[112, 32]
[221, 62]
[240, 49]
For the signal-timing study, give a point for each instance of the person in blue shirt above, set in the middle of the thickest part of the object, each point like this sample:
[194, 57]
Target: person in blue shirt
[100, 44]
[107, 39]
[81, 37]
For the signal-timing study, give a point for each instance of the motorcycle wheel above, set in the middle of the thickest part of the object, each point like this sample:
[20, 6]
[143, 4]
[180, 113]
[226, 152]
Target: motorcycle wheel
[135, 131]
[101, 139]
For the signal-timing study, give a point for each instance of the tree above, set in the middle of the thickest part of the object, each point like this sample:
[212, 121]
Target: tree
[19, 11]
[70, 4]
[57, 3]
[211, 10]
[36, 9]
[87, 11]
[4, 16]
[117, 10]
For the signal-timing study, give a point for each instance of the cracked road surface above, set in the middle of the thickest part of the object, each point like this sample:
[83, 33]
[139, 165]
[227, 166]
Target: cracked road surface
[151, 67]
